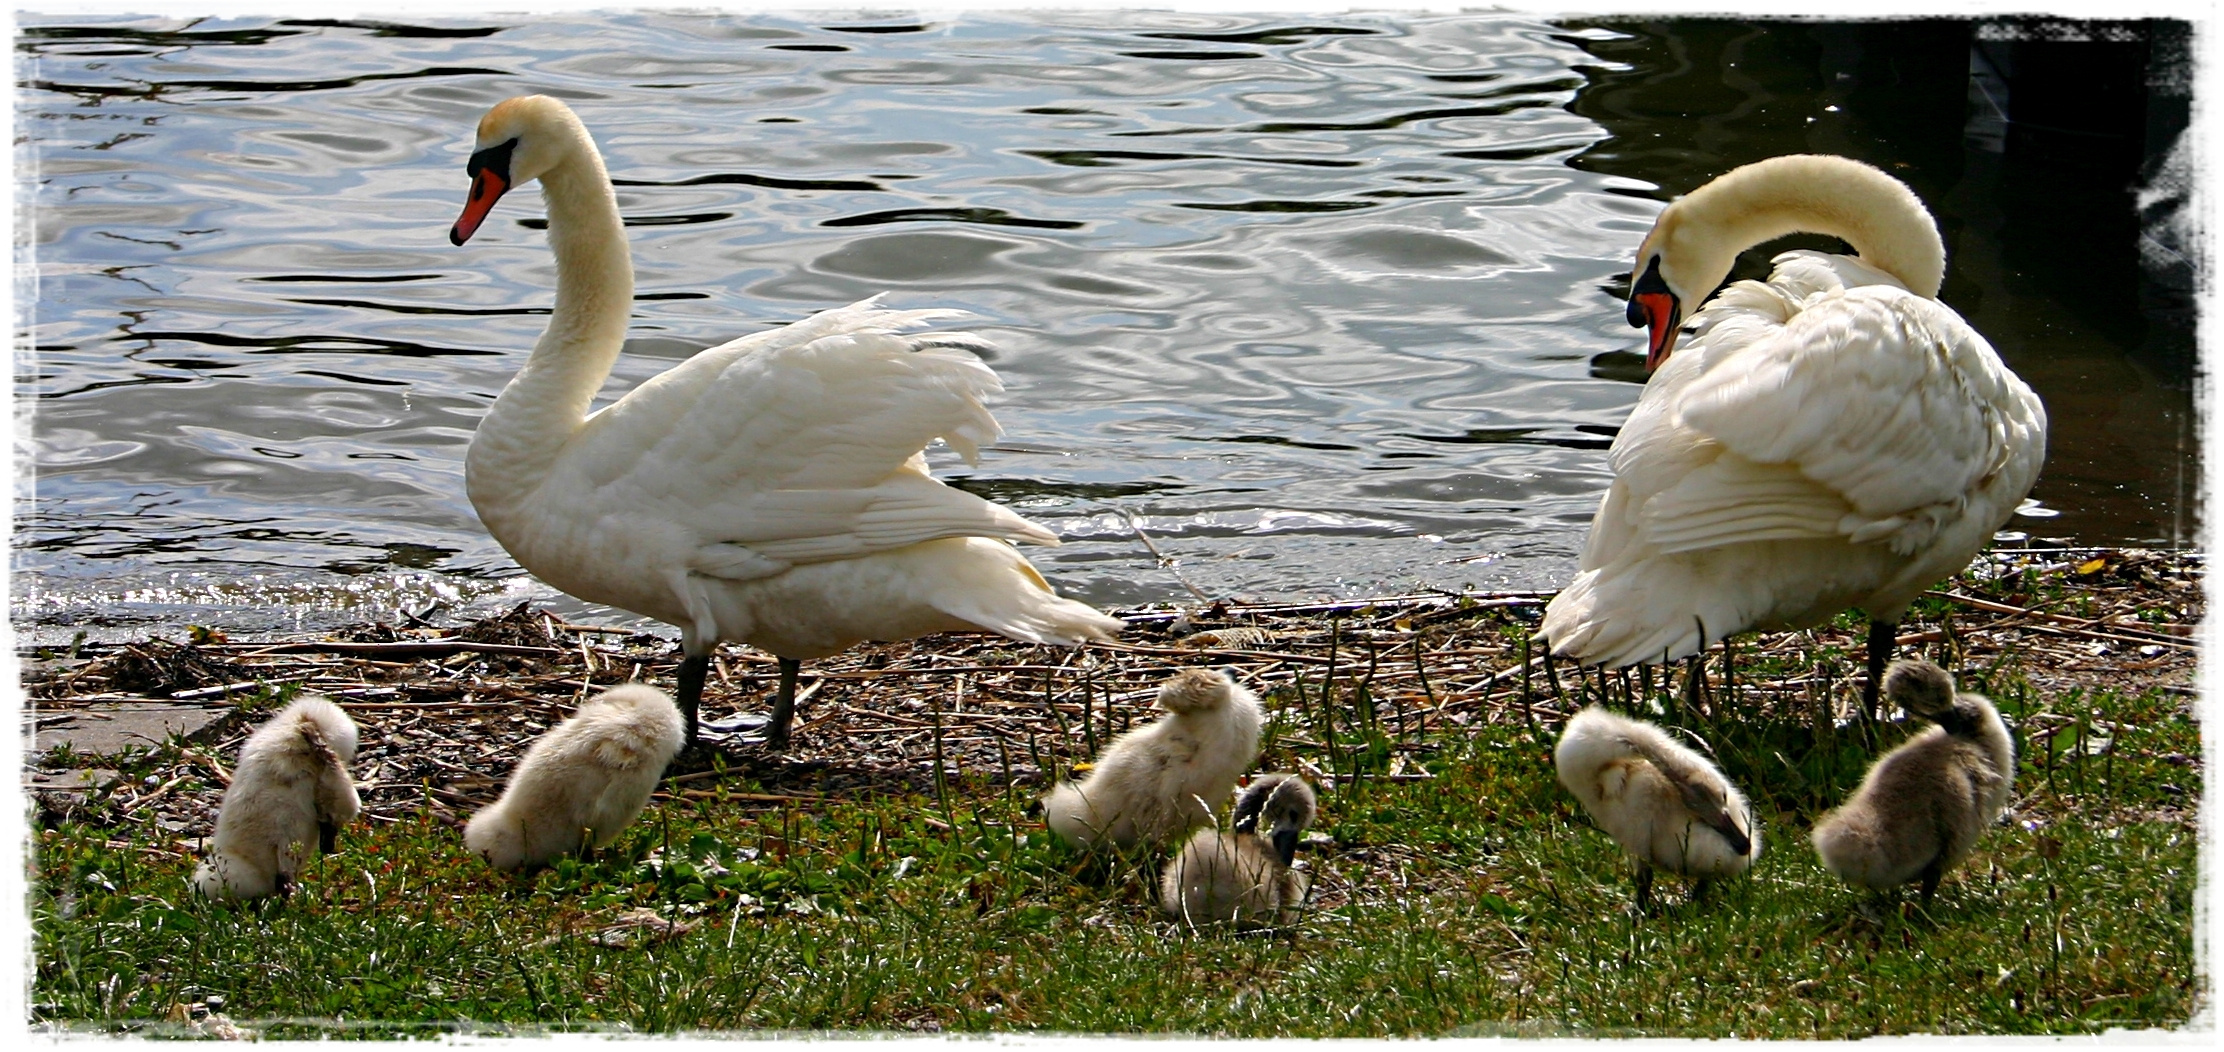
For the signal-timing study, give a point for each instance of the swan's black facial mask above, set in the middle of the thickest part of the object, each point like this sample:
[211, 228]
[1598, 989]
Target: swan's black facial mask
[490, 179]
[1653, 304]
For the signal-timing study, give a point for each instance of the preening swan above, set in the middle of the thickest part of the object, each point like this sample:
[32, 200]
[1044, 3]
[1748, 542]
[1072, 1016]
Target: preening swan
[1663, 803]
[1161, 780]
[1833, 437]
[770, 491]
[1923, 805]
[581, 783]
[1244, 876]
[288, 799]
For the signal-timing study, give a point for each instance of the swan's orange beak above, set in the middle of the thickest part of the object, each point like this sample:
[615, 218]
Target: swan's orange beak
[490, 179]
[487, 187]
[1663, 317]
[1653, 305]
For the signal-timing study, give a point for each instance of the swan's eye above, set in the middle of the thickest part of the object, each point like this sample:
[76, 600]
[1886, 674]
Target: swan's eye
[494, 158]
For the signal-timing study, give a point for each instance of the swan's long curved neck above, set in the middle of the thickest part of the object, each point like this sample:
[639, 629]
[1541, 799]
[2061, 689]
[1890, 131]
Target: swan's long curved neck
[1878, 215]
[542, 407]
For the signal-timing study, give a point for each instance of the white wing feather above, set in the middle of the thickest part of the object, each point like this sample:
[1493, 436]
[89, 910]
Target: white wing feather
[802, 444]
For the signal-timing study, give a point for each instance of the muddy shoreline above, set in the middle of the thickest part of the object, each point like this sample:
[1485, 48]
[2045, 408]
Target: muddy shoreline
[446, 709]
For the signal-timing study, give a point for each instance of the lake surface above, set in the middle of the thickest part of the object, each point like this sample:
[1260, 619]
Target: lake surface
[1327, 306]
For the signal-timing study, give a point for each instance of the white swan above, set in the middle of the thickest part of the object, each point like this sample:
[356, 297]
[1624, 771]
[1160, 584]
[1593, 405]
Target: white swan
[1834, 437]
[770, 491]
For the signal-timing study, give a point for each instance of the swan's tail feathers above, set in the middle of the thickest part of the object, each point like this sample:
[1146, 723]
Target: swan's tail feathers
[1027, 608]
[1048, 618]
[1615, 621]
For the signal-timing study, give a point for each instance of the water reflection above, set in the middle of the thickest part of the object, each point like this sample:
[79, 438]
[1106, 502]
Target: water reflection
[1326, 306]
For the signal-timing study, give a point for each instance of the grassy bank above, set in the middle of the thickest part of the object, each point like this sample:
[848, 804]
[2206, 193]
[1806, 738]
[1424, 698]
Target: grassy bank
[885, 876]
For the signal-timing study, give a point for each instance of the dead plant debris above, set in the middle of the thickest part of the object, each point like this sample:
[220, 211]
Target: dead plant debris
[445, 713]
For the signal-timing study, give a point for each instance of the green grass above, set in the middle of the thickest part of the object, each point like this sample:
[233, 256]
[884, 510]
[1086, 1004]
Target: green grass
[1479, 901]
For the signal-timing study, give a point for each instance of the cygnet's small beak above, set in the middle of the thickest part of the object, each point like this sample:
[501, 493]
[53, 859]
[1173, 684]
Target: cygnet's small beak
[1739, 841]
[1285, 845]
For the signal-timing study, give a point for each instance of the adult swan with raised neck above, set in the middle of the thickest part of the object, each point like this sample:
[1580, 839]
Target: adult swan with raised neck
[770, 491]
[1830, 438]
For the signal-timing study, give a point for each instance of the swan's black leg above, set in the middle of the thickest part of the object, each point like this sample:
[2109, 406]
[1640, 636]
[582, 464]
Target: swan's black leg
[1882, 635]
[692, 671]
[1695, 674]
[1644, 888]
[783, 706]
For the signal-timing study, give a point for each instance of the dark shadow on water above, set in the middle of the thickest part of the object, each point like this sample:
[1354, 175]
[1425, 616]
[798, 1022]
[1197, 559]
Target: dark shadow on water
[1626, 366]
[1519, 436]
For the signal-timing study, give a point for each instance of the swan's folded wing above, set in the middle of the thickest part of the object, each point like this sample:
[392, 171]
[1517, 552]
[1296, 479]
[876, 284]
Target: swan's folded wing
[841, 409]
[804, 444]
[810, 525]
[1887, 400]
[1732, 500]
[1653, 453]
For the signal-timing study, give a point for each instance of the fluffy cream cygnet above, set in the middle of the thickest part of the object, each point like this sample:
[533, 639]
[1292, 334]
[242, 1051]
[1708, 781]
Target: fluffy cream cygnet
[583, 781]
[1159, 781]
[1667, 806]
[289, 796]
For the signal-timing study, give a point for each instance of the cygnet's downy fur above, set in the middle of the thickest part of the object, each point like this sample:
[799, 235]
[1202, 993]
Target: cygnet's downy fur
[1922, 806]
[581, 782]
[1666, 805]
[1158, 782]
[289, 796]
[1243, 877]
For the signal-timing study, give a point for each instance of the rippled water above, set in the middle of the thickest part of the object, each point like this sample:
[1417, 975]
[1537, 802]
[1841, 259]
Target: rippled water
[1326, 306]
